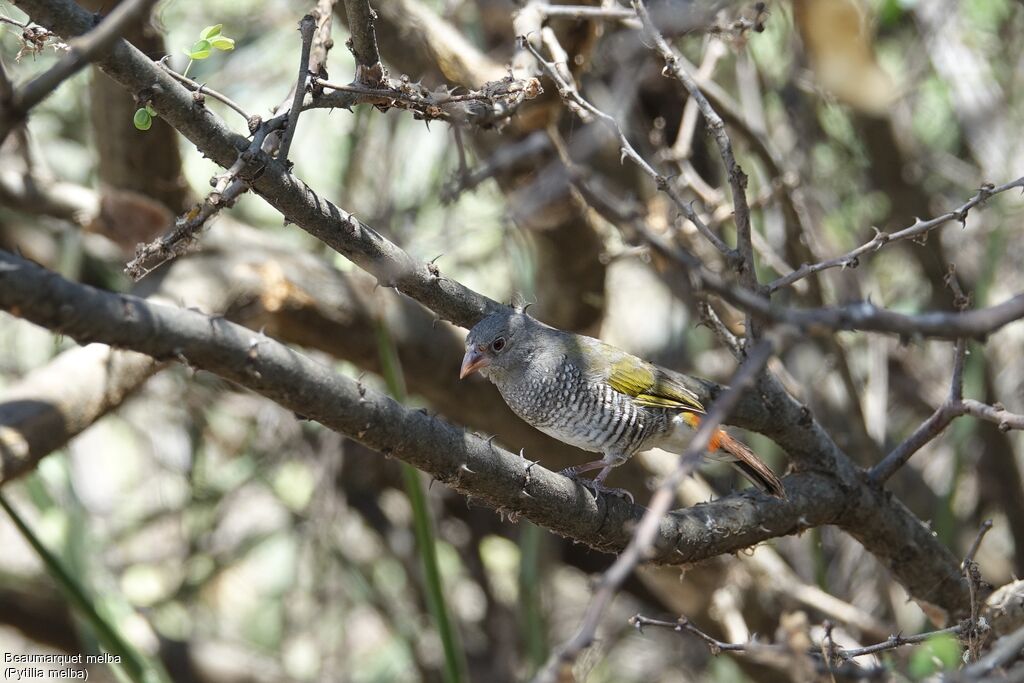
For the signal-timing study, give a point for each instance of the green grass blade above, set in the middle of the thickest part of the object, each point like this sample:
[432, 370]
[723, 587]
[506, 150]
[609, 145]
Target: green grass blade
[423, 525]
[134, 664]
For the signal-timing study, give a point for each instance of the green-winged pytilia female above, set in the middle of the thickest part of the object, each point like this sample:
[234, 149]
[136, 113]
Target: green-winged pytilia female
[596, 397]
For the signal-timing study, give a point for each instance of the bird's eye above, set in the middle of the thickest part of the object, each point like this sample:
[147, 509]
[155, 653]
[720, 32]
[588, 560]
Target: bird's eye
[498, 344]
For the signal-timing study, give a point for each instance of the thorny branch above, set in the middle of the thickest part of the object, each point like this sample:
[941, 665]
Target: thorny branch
[971, 630]
[815, 497]
[857, 316]
[917, 231]
[466, 462]
[737, 178]
[235, 181]
[716, 646]
[363, 43]
[307, 29]
[491, 104]
[954, 406]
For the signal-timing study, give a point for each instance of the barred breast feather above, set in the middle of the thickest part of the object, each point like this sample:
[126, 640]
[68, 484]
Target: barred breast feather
[562, 402]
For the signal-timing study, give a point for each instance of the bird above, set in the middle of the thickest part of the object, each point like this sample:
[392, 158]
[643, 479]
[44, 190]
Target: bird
[596, 397]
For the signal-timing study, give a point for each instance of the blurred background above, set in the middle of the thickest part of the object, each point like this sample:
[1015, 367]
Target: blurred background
[228, 540]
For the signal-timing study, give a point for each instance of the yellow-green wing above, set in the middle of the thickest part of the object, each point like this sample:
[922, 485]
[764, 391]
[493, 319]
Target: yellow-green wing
[651, 386]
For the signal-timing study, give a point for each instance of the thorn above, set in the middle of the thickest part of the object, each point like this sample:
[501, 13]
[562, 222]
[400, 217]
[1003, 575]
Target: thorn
[465, 468]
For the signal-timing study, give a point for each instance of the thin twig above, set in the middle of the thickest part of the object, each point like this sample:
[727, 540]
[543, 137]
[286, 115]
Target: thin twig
[568, 92]
[716, 646]
[307, 29]
[183, 236]
[920, 228]
[975, 632]
[203, 89]
[944, 414]
[993, 413]
[985, 527]
[363, 42]
[858, 316]
[737, 178]
[647, 529]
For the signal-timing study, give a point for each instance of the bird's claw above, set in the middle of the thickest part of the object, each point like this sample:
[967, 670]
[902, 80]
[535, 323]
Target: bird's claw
[595, 487]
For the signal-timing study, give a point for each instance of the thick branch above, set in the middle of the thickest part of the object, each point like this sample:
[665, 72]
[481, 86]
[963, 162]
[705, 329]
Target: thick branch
[49, 406]
[468, 463]
[474, 466]
[829, 490]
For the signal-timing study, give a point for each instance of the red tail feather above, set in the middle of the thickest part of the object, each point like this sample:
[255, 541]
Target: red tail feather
[743, 459]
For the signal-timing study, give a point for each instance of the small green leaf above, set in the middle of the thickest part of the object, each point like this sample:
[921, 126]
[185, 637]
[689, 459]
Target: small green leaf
[152, 112]
[211, 31]
[200, 50]
[143, 120]
[938, 653]
[222, 43]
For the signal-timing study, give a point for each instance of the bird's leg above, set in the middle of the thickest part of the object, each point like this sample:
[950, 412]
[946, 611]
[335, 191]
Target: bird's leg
[576, 470]
[606, 464]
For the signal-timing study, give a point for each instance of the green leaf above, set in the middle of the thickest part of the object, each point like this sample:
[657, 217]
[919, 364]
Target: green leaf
[200, 50]
[222, 43]
[143, 120]
[211, 31]
[938, 653]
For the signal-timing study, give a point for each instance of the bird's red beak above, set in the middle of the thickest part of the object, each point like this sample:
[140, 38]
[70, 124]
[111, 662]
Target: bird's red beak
[472, 361]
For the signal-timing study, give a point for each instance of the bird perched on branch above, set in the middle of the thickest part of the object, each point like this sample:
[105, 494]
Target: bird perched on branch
[596, 397]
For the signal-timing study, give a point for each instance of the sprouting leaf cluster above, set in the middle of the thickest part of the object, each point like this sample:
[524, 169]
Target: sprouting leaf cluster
[210, 38]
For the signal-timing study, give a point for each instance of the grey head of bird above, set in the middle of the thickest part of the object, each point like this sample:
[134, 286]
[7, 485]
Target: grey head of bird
[503, 344]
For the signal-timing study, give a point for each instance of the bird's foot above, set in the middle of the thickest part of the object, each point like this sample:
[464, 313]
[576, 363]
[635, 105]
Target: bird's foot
[595, 486]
